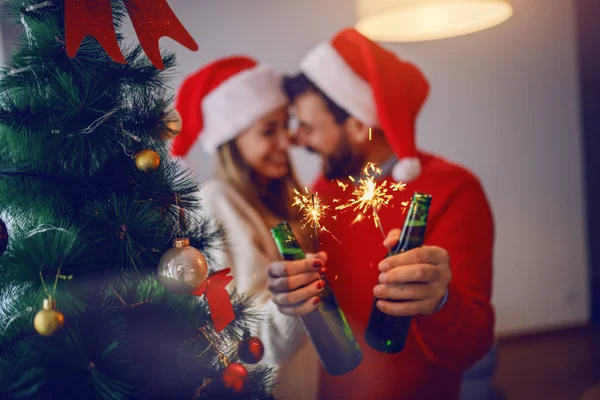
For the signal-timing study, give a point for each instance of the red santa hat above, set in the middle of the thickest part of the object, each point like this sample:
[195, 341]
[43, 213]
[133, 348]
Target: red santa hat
[374, 86]
[221, 100]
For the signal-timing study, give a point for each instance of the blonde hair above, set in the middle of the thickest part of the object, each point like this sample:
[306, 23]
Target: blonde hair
[276, 198]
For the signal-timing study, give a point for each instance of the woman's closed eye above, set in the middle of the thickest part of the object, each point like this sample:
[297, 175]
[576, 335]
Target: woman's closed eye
[270, 129]
[270, 132]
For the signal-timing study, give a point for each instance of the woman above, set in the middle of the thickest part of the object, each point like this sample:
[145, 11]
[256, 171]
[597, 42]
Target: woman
[236, 108]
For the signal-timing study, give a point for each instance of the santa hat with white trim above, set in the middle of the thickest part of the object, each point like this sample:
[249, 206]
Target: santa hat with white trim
[374, 86]
[221, 100]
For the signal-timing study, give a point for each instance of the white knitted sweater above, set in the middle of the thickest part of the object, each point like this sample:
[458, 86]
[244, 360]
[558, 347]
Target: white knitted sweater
[251, 250]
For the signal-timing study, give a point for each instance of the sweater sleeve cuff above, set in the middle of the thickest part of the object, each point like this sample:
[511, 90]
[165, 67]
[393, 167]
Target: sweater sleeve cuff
[446, 315]
[292, 327]
[444, 300]
[282, 335]
[289, 327]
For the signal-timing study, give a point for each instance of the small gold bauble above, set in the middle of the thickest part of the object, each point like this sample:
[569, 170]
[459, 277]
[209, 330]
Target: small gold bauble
[183, 268]
[173, 122]
[49, 320]
[147, 160]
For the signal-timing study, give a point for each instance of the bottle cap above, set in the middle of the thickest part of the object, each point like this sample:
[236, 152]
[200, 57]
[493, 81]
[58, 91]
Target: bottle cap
[421, 195]
[49, 304]
[181, 243]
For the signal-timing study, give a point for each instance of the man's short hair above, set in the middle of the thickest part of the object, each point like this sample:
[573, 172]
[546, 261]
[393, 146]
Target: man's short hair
[297, 85]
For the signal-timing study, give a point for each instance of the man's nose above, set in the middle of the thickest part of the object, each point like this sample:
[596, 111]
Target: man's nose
[300, 139]
[293, 139]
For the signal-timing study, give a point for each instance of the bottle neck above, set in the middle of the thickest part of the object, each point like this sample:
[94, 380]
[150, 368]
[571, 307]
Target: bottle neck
[286, 242]
[413, 231]
[412, 237]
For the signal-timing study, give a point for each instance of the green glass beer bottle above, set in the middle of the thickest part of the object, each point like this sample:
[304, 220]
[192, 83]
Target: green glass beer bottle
[326, 326]
[387, 333]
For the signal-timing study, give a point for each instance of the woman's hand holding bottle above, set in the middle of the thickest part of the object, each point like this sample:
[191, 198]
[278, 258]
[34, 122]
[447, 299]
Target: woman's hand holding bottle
[295, 285]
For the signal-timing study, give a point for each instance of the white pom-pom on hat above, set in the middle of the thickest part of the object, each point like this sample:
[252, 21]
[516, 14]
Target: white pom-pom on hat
[407, 169]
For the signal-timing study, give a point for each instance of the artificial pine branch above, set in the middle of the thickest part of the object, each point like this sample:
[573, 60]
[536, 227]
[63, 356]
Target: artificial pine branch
[75, 202]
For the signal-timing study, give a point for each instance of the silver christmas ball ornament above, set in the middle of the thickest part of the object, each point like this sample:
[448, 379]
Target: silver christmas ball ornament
[183, 268]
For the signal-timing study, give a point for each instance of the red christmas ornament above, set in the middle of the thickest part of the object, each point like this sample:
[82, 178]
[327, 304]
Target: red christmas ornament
[152, 20]
[235, 376]
[251, 350]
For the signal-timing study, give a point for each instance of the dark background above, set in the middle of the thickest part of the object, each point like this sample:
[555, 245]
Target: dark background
[588, 15]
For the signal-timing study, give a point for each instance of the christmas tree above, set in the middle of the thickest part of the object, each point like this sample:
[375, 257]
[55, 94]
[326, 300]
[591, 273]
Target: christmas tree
[90, 203]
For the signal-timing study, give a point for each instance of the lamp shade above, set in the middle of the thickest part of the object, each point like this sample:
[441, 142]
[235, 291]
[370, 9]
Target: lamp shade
[419, 20]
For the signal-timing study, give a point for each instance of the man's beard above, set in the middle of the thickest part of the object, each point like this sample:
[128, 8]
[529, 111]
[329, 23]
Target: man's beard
[344, 162]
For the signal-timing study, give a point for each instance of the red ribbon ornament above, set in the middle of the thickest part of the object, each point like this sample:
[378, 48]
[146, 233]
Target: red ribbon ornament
[152, 20]
[219, 302]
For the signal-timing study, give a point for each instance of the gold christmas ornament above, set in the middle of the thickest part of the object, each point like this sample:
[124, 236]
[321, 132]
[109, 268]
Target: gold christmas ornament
[147, 160]
[48, 320]
[174, 123]
[183, 268]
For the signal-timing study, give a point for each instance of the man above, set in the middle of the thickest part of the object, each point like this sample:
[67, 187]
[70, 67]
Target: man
[356, 103]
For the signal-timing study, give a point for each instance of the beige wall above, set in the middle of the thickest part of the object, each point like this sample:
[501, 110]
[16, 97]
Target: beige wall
[504, 102]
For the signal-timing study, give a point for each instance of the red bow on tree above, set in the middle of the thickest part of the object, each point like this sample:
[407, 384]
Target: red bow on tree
[152, 19]
[219, 302]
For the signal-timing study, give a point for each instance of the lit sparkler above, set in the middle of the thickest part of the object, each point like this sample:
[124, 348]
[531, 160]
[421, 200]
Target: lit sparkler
[313, 210]
[369, 196]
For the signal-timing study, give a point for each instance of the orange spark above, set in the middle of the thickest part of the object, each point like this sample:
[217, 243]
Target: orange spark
[398, 187]
[344, 186]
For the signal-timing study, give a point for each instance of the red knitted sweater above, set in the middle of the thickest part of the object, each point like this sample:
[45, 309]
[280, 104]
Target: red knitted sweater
[439, 346]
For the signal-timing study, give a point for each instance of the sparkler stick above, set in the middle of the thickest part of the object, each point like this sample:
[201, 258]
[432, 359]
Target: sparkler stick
[317, 246]
[378, 223]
